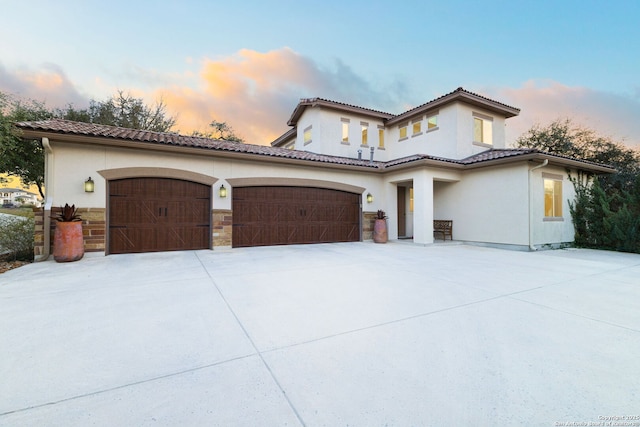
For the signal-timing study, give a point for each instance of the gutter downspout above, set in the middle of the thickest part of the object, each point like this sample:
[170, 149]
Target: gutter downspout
[543, 164]
[46, 214]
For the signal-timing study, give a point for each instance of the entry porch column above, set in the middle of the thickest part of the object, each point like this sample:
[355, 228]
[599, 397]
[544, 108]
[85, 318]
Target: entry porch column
[423, 208]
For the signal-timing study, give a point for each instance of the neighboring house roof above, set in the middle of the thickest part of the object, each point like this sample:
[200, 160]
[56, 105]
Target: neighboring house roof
[89, 133]
[16, 190]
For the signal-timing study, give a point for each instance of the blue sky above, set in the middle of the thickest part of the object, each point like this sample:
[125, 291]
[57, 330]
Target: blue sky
[249, 62]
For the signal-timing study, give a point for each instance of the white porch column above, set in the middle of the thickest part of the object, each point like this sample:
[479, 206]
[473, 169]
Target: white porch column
[391, 194]
[423, 208]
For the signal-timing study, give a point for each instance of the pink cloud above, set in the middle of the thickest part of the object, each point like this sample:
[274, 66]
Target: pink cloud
[48, 83]
[541, 102]
[256, 92]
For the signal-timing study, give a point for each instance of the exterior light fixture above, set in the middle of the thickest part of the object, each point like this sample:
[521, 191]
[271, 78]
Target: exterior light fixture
[369, 198]
[88, 186]
[222, 192]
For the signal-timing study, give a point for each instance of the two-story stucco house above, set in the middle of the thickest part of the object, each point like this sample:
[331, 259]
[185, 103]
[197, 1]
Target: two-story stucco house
[322, 181]
[17, 197]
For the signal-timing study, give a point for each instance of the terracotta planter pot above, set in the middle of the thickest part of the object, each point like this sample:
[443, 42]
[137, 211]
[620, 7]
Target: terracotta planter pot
[380, 231]
[68, 244]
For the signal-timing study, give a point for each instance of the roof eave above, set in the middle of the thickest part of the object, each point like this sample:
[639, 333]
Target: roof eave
[317, 102]
[200, 151]
[541, 157]
[458, 96]
[288, 135]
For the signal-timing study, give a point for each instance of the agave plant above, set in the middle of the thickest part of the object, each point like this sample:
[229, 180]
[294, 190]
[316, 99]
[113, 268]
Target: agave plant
[68, 214]
[381, 214]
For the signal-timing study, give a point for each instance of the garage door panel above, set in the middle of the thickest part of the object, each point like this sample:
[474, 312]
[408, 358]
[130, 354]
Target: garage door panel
[158, 214]
[294, 215]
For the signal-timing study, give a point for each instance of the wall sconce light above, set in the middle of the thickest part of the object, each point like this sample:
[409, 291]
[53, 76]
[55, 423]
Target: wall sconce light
[222, 192]
[369, 198]
[88, 186]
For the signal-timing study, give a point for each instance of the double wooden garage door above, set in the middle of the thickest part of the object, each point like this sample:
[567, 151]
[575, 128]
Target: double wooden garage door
[158, 214]
[161, 214]
[292, 215]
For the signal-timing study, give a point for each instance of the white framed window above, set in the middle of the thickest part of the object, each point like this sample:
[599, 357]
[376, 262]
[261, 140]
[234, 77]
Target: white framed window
[552, 196]
[403, 131]
[345, 130]
[482, 129]
[364, 128]
[380, 136]
[306, 136]
[432, 122]
[416, 128]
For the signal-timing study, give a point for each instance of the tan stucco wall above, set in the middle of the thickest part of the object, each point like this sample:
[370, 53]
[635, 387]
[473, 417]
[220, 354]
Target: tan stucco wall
[486, 204]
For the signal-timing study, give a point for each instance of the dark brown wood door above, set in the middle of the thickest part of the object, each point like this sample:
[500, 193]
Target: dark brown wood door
[158, 214]
[402, 214]
[265, 216]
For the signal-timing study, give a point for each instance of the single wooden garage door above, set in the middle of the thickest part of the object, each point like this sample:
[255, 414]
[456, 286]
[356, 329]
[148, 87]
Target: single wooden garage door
[158, 214]
[291, 215]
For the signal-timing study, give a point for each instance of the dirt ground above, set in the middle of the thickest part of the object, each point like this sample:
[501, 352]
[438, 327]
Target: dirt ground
[9, 265]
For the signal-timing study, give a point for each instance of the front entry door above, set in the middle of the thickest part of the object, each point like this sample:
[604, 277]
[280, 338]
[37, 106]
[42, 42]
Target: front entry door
[402, 212]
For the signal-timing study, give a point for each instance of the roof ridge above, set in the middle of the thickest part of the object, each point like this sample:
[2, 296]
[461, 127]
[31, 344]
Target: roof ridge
[460, 89]
[345, 104]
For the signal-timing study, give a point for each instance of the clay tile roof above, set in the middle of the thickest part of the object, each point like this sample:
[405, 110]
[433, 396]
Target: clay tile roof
[494, 154]
[65, 127]
[341, 106]
[463, 95]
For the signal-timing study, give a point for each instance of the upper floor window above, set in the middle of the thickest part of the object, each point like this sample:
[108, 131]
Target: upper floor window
[482, 129]
[417, 128]
[345, 130]
[307, 135]
[432, 122]
[364, 126]
[380, 137]
[403, 131]
[552, 195]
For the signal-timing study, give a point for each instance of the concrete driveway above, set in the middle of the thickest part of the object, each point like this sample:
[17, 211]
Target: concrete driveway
[353, 334]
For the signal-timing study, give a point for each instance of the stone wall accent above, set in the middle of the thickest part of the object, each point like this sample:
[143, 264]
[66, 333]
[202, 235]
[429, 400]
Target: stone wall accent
[93, 228]
[222, 227]
[38, 235]
[368, 221]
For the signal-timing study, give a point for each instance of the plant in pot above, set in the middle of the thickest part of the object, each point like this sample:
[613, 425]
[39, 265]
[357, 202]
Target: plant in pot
[380, 227]
[68, 243]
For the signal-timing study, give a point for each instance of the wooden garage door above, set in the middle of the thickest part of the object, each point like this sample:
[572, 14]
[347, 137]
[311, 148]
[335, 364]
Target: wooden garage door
[158, 214]
[292, 215]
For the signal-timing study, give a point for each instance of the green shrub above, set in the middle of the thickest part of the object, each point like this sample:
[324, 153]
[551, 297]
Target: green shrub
[606, 218]
[16, 237]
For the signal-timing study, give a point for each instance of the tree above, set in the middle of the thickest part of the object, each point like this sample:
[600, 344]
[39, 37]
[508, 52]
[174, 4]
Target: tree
[606, 210]
[25, 158]
[564, 138]
[219, 130]
[122, 110]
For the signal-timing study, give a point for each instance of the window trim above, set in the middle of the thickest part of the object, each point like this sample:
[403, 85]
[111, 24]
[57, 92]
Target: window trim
[437, 126]
[345, 122]
[400, 126]
[304, 133]
[364, 134]
[484, 118]
[413, 127]
[380, 137]
[554, 178]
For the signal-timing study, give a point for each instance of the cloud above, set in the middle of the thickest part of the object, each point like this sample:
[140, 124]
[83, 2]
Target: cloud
[48, 84]
[256, 92]
[541, 102]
